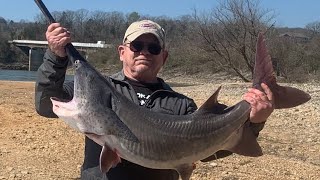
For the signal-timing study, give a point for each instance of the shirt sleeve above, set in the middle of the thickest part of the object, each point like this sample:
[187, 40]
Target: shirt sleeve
[50, 82]
[256, 128]
[192, 107]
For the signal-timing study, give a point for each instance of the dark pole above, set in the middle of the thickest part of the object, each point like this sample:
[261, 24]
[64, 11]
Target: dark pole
[72, 52]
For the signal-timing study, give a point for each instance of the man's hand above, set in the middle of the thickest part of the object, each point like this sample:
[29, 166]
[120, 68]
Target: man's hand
[262, 104]
[58, 37]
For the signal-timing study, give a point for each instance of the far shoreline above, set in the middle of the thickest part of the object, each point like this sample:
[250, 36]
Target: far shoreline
[13, 81]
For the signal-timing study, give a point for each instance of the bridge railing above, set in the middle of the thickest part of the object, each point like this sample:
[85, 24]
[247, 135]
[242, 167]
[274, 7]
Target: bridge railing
[31, 43]
[35, 56]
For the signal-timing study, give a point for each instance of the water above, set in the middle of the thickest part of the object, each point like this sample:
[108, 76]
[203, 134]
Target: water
[19, 75]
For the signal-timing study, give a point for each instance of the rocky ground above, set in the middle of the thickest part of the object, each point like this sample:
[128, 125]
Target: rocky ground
[34, 147]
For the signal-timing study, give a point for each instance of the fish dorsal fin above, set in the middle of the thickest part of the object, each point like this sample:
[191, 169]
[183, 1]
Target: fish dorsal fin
[211, 104]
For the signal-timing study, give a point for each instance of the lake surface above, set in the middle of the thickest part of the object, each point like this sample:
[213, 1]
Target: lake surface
[19, 75]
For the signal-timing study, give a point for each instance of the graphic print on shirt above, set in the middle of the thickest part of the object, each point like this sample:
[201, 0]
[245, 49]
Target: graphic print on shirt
[144, 90]
[143, 98]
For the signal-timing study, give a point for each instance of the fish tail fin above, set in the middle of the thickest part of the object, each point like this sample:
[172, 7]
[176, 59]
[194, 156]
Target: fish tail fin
[285, 97]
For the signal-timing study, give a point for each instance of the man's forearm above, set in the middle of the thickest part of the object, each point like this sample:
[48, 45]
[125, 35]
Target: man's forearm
[50, 83]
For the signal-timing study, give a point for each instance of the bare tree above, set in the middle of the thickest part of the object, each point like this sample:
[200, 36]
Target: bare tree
[80, 18]
[116, 24]
[314, 27]
[229, 33]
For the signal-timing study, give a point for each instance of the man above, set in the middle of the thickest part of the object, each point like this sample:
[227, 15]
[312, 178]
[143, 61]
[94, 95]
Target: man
[143, 53]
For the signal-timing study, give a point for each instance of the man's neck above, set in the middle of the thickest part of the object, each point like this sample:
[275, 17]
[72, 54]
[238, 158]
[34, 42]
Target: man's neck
[142, 78]
[142, 81]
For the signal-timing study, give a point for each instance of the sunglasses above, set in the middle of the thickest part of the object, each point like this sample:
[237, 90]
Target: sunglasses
[138, 46]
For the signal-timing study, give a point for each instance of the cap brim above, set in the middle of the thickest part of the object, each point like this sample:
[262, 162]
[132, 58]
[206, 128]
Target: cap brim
[135, 35]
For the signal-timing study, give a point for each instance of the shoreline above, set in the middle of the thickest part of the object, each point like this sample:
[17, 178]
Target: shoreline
[14, 66]
[9, 81]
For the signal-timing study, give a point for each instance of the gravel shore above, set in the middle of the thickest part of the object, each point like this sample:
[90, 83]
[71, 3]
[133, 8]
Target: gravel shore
[34, 147]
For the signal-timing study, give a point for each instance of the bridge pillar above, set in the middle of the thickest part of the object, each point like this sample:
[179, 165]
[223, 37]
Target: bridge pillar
[35, 58]
[30, 55]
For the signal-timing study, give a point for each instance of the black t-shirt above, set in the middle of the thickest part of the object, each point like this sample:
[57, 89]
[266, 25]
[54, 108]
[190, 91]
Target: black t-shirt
[144, 90]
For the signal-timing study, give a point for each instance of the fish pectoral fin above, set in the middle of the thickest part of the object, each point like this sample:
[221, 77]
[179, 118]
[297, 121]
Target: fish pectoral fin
[108, 158]
[185, 170]
[121, 130]
[247, 145]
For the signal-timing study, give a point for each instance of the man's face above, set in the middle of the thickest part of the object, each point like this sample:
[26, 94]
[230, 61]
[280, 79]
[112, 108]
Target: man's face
[142, 65]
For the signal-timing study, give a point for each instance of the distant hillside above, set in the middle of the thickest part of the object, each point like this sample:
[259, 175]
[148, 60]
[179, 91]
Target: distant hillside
[303, 31]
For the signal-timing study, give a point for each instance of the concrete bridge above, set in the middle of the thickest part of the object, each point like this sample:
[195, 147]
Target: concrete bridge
[35, 50]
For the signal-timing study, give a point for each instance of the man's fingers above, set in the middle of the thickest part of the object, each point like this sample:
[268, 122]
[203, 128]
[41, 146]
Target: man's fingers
[257, 98]
[55, 30]
[61, 39]
[257, 94]
[59, 31]
[64, 41]
[53, 26]
[249, 98]
[268, 92]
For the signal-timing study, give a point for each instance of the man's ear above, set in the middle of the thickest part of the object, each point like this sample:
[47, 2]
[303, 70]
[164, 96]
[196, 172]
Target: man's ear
[165, 56]
[121, 52]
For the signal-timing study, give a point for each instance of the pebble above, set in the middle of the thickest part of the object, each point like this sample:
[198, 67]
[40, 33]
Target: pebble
[24, 172]
[213, 164]
[12, 176]
[224, 173]
[5, 151]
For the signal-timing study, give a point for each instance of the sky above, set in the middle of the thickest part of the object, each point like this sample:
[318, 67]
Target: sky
[289, 13]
